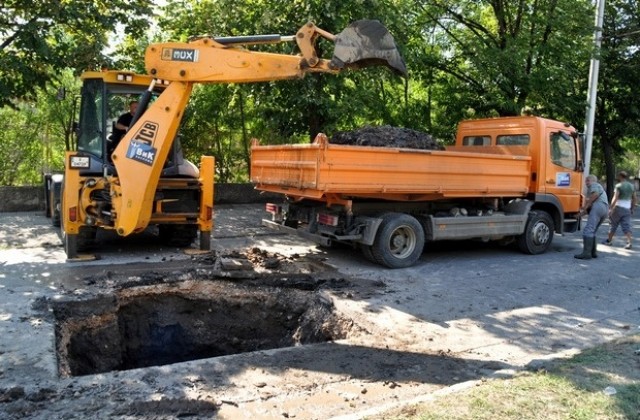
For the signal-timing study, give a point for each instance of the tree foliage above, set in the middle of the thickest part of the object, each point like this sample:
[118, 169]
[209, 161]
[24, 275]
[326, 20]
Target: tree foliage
[493, 57]
[40, 38]
[618, 109]
[35, 134]
[466, 58]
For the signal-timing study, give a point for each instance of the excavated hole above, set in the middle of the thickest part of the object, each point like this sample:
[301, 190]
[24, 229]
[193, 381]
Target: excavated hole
[163, 324]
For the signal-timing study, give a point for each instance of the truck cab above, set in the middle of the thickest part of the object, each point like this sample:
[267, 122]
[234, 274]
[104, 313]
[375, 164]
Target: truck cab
[556, 151]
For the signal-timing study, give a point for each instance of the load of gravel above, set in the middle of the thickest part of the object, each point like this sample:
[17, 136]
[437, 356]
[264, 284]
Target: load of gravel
[387, 136]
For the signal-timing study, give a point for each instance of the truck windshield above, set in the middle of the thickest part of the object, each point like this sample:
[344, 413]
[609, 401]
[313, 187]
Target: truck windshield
[91, 129]
[563, 150]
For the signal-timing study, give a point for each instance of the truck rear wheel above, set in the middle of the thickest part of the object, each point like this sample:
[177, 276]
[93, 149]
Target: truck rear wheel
[399, 241]
[538, 233]
[368, 254]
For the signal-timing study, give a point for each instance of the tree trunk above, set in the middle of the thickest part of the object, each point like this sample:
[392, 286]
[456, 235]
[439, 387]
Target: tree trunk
[315, 114]
[245, 137]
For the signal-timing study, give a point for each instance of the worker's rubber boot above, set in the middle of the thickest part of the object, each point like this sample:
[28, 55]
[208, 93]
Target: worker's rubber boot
[593, 249]
[587, 248]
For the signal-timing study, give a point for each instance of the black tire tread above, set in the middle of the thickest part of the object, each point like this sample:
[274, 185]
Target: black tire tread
[380, 250]
[525, 242]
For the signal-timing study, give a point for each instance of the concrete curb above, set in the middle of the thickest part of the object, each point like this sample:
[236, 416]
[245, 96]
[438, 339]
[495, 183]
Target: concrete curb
[31, 198]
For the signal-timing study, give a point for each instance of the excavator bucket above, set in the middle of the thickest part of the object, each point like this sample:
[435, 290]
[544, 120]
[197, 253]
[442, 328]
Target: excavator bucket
[367, 43]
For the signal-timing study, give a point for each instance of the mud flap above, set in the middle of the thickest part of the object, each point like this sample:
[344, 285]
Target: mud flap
[367, 43]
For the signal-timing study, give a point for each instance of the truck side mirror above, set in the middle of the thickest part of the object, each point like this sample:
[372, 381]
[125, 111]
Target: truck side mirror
[61, 94]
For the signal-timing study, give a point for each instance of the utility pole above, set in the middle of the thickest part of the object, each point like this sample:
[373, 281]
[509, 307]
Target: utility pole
[593, 86]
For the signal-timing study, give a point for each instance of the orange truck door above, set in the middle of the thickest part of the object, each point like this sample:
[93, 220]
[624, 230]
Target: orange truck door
[562, 178]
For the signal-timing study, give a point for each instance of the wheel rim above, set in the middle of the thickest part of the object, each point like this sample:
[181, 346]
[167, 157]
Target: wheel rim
[402, 242]
[541, 233]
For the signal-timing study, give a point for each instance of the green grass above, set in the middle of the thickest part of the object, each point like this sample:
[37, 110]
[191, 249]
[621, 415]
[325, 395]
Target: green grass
[570, 389]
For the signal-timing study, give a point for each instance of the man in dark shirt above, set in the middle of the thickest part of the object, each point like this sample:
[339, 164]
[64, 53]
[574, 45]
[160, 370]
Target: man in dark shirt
[122, 125]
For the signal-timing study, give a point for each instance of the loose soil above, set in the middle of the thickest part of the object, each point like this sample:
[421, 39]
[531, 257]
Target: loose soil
[387, 136]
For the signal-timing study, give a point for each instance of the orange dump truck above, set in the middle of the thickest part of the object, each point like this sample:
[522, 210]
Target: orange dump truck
[513, 179]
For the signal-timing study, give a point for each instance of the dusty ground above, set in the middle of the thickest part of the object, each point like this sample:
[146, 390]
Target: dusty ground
[462, 313]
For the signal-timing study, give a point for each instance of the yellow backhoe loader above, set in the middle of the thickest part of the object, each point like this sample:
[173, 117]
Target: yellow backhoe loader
[144, 180]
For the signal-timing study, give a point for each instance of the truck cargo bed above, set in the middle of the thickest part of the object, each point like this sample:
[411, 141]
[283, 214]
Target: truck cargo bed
[322, 170]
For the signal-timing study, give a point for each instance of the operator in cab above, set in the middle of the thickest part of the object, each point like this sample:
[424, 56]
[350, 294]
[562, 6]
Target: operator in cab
[121, 126]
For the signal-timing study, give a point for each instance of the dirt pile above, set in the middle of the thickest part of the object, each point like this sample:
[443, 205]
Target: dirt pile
[387, 136]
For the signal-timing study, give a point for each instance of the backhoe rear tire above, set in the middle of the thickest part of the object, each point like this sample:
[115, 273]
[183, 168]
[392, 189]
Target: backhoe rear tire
[70, 245]
[55, 214]
[80, 242]
[205, 240]
[87, 238]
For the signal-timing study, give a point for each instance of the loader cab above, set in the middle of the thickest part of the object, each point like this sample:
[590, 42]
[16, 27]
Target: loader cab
[104, 97]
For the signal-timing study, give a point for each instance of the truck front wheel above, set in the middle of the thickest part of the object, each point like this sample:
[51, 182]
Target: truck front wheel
[538, 233]
[399, 241]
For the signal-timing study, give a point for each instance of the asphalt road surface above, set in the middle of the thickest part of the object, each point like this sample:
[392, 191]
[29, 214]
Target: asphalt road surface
[466, 311]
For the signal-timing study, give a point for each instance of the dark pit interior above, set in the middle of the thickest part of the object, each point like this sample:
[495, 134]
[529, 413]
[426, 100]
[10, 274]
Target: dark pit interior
[164, 324]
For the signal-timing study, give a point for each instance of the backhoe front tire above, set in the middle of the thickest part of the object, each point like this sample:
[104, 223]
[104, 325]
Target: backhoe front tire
[178, 235]
[399, 241]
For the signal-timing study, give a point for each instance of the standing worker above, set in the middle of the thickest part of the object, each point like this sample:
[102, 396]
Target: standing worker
[597, 205]
[622, 205]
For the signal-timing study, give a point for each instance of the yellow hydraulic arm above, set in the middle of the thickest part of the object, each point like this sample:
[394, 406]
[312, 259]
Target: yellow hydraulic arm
[141, 154]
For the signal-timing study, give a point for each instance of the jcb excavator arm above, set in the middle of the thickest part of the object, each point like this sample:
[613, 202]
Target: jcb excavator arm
[216, 60]
[141, 154]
